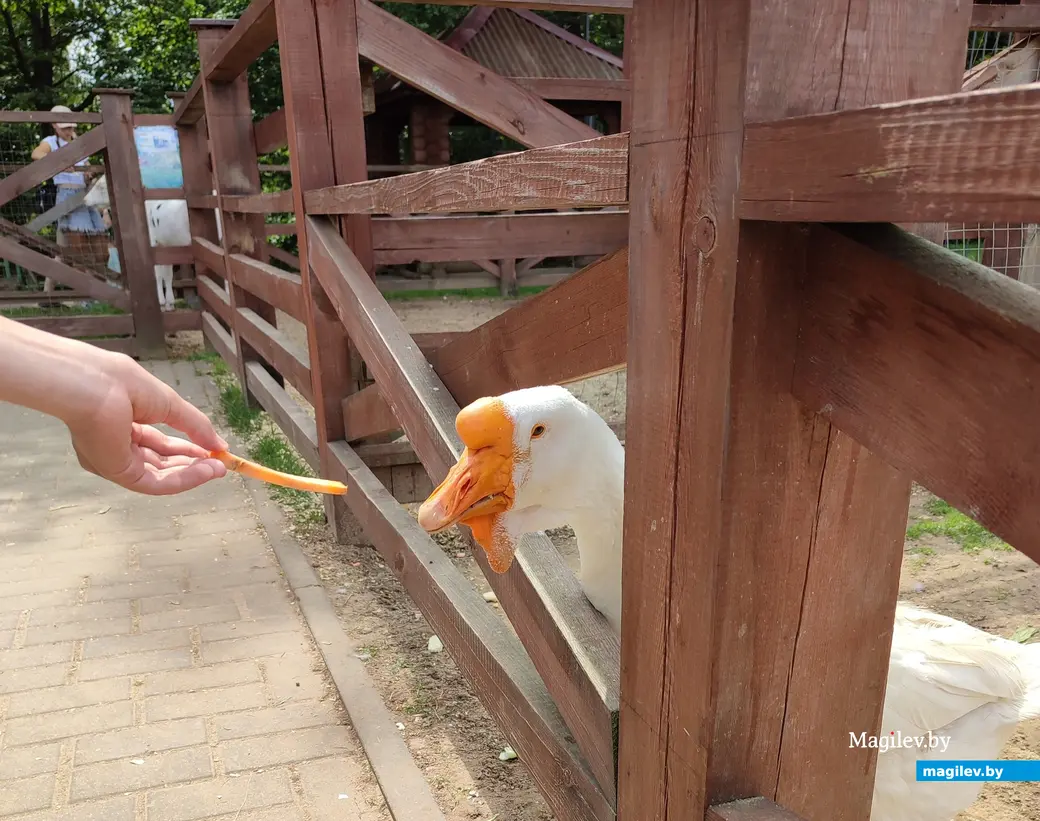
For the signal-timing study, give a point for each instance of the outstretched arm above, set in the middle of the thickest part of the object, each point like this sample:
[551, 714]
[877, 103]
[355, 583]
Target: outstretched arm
[109, 404]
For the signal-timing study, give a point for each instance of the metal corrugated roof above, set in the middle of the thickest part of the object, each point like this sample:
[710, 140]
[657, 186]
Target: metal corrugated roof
[512, 45]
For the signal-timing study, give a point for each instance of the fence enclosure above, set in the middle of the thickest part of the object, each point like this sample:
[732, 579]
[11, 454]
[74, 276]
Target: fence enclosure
[126, 314]
[792, 347]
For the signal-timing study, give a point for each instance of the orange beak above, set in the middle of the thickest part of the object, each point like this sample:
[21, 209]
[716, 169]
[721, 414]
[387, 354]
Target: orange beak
[479, 487]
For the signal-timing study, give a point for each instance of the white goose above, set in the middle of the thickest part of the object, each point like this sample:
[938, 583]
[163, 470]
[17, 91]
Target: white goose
[538, 458]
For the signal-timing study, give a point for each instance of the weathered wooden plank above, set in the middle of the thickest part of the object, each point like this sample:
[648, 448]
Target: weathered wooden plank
[400, 240]
[57, 270]
[493, 659]
[806, 559]
[571, 644]
[173, 255]
[454, 79]
[39, 171]
[965, 157]
[229, 122]
[164, 193]
[280, 229]
[591, 172]
[280, 288]
[892, 329]
[750, 809]
[590, 6]
[276, 348]
[308, 91]
[220, 340]
[686, 144]
[49, 117]
[253, 33]
[294, 421]
[210, 254]
[576, 329]
[269, 133]
[192, 107]
[1025, 17]
[153, 119]
[559, 88]
[77, 326]
[264, 203]
[215, 298]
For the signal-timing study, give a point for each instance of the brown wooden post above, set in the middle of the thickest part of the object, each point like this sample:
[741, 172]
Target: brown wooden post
[627, 71]
[507, 277]
[762, 547]
[325, 125]
[229, 124]
[135, 248]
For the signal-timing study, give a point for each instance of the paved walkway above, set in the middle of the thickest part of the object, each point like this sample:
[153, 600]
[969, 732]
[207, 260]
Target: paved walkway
[152, 664]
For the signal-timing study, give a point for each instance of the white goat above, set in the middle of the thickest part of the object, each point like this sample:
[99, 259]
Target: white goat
[167, 228]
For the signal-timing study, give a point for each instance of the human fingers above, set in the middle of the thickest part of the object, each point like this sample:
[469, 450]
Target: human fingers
[156, 481]
[154, 439]
[155, 402]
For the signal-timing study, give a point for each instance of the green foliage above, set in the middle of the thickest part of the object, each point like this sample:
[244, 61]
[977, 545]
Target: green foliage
[90, 309]
[263, 441]
[954, 525]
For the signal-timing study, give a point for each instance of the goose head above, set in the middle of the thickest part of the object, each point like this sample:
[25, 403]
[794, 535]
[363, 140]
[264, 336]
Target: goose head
[535, 459]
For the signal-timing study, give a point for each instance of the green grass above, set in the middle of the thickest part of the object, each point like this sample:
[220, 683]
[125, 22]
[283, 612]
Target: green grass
[91, 309]
[263, 443]
[954, 525]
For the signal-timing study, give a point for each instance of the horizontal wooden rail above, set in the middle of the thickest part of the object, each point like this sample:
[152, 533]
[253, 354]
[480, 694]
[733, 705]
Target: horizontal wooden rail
[269, 133]
[572, 646]
[214, 297]
[401, 240]
[210, 255]
[192, 105]
[280, 229]
[267, 203]
[88, 325]
[457, 81]
[491, 657]
[893, 329]
[61, 272]
[577, 329]
[164, 193]
[966, 157]
[592, 173]
[282, 353]
[1003, 18]
[222, 341]
[589, 6]
[558, 88]
[204, 201]
[43, 169]
[48, 117]
[253, 33]
[274, 286]
[297, 425]
[153, 119]
[172, 255]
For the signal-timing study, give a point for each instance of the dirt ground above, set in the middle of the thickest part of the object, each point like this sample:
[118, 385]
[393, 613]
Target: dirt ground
[452, 737]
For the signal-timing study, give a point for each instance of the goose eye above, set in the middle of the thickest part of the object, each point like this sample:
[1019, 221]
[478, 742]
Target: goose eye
[537, 431]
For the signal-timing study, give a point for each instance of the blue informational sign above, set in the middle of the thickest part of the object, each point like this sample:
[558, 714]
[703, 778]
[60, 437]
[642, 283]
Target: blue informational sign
[159, 155]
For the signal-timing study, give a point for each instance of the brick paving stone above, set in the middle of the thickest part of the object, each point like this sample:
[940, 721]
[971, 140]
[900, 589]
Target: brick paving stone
[152, 662]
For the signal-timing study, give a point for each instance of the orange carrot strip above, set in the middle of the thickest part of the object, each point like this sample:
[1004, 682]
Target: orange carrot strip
[275, 477]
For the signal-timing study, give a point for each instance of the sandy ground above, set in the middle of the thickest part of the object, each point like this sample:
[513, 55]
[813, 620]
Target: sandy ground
[454, 739]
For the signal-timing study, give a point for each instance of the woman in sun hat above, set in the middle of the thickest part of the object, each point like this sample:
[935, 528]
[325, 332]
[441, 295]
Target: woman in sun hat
[82, 229]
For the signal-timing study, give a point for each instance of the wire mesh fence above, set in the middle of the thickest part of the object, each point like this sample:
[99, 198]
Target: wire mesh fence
[51, 219]
[1009, 249]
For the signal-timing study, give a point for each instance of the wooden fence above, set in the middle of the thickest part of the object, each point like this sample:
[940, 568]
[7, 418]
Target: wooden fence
[810, 368]
[140, 327]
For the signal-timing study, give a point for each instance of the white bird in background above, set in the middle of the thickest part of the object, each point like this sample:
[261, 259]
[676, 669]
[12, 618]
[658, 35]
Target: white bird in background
[539, 458]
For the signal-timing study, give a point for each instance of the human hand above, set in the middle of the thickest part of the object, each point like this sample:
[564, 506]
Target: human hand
[113, 435]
